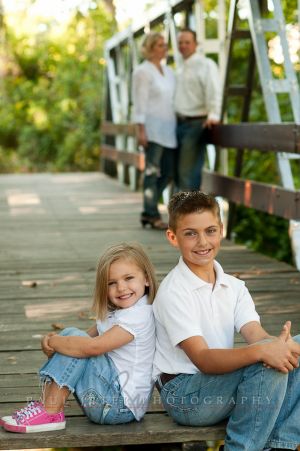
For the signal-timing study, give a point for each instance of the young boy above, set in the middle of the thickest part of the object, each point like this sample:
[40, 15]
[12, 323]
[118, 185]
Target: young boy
[201, 378]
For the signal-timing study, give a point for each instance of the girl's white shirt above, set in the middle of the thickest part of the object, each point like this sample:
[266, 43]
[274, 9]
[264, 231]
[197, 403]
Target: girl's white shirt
[134, 360]
[153, 102]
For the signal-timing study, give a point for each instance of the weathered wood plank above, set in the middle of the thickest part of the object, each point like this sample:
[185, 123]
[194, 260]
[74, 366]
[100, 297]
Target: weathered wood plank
[154, 428]
[56, 243]
[271, 199]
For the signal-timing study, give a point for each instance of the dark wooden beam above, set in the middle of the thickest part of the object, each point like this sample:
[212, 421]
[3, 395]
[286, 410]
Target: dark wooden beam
[262, 136]
[257, 136]
[260, 196]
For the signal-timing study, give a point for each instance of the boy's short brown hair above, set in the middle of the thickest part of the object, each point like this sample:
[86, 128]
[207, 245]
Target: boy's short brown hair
[187, 202]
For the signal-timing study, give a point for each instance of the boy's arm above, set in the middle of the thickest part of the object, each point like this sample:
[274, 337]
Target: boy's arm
[281, 353]
[253, 332]
[82, 347]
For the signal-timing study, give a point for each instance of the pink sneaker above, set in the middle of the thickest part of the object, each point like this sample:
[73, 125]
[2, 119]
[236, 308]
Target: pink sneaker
[3, 419]
[34, 418]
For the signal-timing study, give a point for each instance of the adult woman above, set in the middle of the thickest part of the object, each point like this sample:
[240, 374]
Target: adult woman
[153, 91]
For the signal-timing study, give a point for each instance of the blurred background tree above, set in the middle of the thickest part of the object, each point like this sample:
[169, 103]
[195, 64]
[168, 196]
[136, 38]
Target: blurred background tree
[51, 88]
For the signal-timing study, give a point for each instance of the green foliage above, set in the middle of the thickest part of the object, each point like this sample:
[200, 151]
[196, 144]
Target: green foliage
[264, 233]
[50, 116]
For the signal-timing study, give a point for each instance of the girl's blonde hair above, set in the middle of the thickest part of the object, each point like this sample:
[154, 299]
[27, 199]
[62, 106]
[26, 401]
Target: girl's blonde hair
[130, 251]
[149, 42]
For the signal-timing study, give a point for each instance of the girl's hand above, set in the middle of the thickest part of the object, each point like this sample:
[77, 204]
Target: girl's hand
[45, 345]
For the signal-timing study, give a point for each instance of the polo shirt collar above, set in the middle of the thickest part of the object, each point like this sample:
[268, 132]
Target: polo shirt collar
[194, 282]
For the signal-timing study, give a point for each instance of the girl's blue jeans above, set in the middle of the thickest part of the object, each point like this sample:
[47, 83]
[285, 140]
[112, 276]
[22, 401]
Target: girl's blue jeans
[262, 405]
[94, 382]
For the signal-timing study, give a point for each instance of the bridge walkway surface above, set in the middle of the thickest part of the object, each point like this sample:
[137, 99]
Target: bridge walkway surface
[54, 227]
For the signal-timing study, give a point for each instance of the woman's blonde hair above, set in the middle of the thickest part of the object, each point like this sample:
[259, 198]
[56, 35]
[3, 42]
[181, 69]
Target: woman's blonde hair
[149, 42]
[129, 251]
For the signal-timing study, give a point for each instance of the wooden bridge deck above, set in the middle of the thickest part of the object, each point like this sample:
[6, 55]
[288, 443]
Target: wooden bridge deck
[53, 229]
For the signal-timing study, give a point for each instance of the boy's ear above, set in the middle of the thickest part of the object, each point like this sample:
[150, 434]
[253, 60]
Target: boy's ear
[171, 236]
[222, 230]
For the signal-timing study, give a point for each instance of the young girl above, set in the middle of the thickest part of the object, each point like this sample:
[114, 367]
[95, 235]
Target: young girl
[108, 368]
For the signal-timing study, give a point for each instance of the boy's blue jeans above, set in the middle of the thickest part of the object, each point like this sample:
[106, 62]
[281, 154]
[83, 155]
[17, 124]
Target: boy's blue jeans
[159, 172]
[94, 382]
[262, 405]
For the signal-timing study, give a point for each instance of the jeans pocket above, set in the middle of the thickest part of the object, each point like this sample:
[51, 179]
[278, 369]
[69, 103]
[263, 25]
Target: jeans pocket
[94, 405]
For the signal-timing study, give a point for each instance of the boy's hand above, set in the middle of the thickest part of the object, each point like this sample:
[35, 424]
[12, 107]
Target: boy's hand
[283, 352]
[45, 345]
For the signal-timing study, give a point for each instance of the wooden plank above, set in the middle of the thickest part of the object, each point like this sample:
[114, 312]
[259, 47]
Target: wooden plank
[260, 196]
[82, 215]
[131, 158]
[154, 428]
[109, 128]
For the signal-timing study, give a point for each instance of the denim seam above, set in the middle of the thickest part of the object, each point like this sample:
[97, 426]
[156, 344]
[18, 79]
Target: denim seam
[259, 410]
[275, 441]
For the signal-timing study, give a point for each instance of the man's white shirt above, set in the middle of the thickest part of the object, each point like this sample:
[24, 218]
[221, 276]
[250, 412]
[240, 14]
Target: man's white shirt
[198, 87]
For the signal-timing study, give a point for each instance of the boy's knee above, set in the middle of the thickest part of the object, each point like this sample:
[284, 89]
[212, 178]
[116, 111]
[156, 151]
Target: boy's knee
[297, 338]
[72, 331]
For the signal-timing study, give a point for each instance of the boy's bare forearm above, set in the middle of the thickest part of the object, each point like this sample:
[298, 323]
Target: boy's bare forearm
[273, 354]
[220, 361]
[280, 353]
[253, 332]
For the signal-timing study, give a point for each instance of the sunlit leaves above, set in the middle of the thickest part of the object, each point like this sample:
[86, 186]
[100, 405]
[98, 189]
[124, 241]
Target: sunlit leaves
[51, 116]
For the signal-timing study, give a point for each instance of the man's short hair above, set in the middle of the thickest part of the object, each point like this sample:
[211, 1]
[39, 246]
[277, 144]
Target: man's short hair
[187, 202]
[189, 30]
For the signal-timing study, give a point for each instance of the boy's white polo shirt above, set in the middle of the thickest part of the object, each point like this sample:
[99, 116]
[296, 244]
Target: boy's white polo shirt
[186, 306]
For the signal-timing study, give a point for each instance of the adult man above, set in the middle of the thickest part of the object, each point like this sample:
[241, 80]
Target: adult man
[197, 105]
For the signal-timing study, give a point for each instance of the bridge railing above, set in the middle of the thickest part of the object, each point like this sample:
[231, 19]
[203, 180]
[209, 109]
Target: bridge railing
[263, 137]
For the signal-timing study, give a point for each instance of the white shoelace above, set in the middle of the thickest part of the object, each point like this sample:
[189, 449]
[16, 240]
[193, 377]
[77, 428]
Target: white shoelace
[32, 409]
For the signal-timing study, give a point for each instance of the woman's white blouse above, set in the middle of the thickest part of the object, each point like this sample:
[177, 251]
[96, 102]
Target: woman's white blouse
[153, 97]
[134, 360]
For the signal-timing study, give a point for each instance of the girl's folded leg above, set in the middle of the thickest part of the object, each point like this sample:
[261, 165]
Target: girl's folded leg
[62, 369]
[99, 392]
[59, 376]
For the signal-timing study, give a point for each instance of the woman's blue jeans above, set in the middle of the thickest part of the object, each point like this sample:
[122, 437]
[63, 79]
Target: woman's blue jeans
[262, 405]
[94, 382]
[159, 172]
